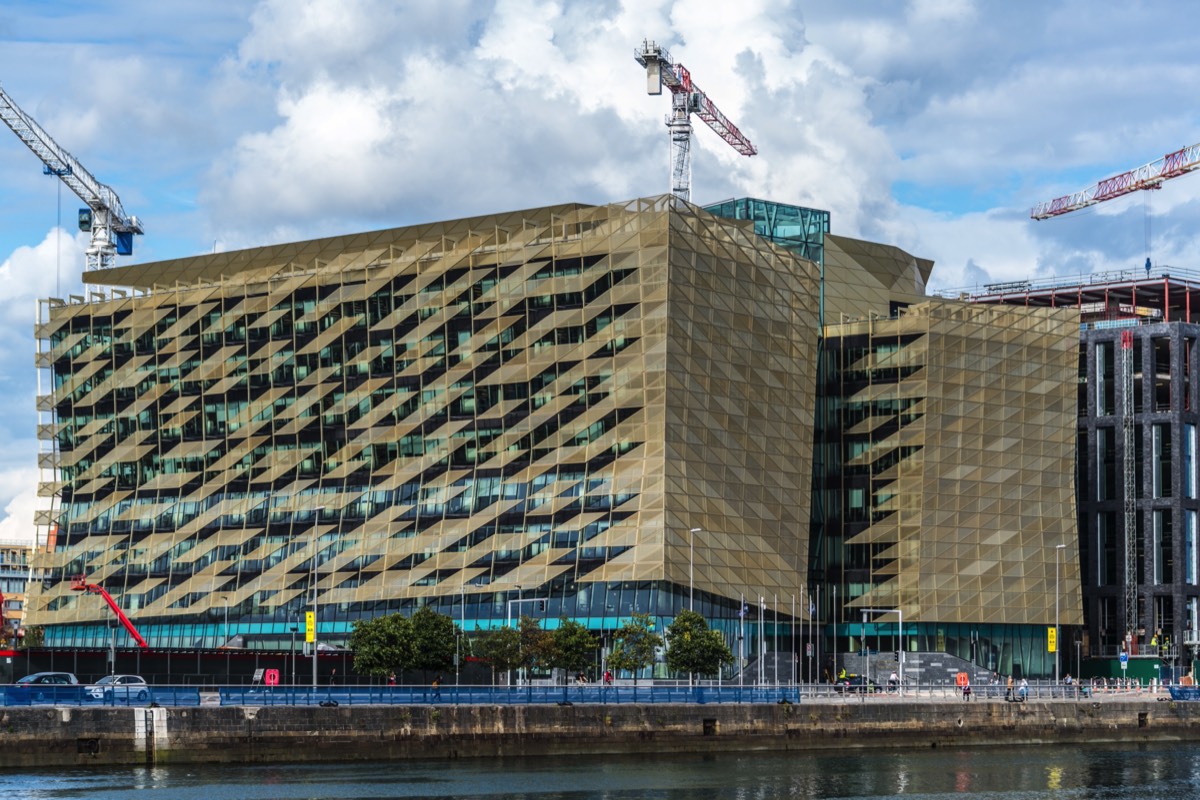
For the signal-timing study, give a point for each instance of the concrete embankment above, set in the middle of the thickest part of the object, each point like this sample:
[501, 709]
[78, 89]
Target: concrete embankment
[59, 736]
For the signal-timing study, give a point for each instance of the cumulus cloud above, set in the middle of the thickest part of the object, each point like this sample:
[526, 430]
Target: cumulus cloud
[48, 269]
[19, 503]
[533, 103]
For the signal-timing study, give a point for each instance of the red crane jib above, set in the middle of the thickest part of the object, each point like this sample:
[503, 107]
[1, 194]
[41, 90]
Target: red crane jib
[679, 80]
[1148, 176]
[80, 584]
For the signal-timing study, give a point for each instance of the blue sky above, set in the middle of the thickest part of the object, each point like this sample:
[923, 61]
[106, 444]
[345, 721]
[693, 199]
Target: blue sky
[932, 124]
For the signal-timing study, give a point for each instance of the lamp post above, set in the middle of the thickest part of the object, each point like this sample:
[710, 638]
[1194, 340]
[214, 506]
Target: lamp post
[312, 580]
[293, 627]
[1057, 549]
[691, 563]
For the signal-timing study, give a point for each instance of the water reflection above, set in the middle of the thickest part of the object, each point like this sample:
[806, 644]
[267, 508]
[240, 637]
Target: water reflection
[1168, 772]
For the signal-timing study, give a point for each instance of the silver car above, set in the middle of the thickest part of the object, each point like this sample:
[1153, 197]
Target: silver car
[120, 688]
[41, 687]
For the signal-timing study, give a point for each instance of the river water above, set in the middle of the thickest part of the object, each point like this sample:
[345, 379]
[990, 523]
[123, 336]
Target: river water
[1165, 772]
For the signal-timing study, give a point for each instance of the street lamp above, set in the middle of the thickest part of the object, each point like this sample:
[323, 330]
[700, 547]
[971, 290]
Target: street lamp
[293, 629]
[691, 562]
[313, 583]
[1057, 549]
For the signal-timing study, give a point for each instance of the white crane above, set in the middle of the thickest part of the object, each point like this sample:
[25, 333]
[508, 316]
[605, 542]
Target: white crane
[686, 99]
[111, 228]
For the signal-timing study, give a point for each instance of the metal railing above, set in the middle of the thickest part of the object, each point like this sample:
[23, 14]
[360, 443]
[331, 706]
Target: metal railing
[549, 694]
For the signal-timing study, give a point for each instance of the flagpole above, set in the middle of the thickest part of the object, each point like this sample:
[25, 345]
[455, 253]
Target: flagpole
[794, 638]
[762, 634]
[742, 640]
[813, 627]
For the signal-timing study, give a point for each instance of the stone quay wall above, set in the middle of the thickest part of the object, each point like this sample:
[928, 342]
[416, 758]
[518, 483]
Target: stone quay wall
[60, 736]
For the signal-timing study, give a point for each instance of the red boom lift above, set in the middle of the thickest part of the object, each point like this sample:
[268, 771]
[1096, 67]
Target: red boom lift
[80, 584]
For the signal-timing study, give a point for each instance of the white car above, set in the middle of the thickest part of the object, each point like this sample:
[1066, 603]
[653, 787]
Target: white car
[123, 688]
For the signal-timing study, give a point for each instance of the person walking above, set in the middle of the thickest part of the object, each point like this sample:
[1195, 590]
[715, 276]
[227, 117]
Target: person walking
[1008, 692]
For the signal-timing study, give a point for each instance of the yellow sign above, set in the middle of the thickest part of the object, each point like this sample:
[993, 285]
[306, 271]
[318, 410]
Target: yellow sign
[1051, 640]
[310, 626]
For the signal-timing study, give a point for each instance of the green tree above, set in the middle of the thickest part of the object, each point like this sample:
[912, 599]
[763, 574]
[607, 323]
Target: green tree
[433, 636]
[634, 645]
[537, 648]
[693, 647]
[572, 646]
[501, 648]
[383, 645]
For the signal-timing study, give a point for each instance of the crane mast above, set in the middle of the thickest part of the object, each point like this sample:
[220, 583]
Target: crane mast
[686, 99]
[111, 228]
[1147, 176]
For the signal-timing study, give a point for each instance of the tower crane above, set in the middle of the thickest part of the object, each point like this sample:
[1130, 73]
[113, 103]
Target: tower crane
[686, 99]
[1148, 176]
[111, 228]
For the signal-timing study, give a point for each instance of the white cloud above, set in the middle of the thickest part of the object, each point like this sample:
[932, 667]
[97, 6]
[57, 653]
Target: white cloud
[19, 500]
[48, 269]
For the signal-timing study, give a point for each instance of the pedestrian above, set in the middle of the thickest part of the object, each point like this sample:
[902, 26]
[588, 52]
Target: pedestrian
[1008, 692]
[1023, 691]
[392, 678]
[893, 681]
[966, 689]
[333, 676]
[608, 677]
[437, 687]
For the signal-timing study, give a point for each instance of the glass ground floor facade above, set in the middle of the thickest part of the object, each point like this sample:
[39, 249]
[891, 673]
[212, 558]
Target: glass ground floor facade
[773, 625]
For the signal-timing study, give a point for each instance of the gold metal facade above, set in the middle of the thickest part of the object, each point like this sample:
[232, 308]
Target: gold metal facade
[535, 404]
[956, 442]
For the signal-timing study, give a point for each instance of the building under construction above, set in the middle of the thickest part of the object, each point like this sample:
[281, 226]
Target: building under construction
[1136, 457]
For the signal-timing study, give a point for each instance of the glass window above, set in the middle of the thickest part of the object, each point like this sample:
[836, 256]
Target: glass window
[1161, 444]
[1190, 549]
[1104, 379]
[1189, 461]
[1163, 561]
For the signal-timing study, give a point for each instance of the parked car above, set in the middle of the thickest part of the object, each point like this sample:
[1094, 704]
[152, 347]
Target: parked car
[121, 688]
[46, 678]
[42, 686]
